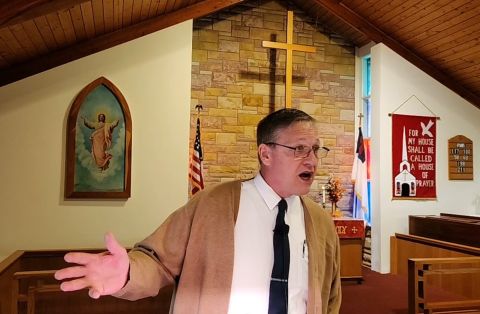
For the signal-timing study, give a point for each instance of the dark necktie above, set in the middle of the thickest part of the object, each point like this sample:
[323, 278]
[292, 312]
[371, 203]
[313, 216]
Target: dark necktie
[278, 300]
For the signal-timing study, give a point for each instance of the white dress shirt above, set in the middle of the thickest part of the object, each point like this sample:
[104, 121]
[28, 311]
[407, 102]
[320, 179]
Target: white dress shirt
[253, 251]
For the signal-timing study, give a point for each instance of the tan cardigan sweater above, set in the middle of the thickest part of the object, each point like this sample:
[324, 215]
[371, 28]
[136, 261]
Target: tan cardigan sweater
[194, 247]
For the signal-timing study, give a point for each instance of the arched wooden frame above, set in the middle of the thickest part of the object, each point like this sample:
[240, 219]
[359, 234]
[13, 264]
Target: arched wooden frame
[72, 172]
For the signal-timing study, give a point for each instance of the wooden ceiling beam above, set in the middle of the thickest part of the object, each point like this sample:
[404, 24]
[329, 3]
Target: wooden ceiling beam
[82, 49]
[18, 11]
[14, 8]
[377, 35]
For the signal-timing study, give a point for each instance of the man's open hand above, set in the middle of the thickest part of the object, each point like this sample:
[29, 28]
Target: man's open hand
[103, 273]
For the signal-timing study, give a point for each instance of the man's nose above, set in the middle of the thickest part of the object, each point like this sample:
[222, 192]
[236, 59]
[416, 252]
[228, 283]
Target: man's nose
[311, 159]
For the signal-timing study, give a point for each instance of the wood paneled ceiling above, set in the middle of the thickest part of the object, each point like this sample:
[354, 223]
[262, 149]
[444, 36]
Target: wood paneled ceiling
[441, 37]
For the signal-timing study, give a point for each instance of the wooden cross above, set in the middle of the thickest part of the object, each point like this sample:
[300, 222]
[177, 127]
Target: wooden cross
[360, 116]
[289, 46]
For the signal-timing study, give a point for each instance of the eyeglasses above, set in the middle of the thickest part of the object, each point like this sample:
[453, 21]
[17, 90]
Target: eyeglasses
[302, 151]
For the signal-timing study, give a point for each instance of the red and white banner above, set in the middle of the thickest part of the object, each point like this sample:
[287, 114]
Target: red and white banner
[413, 157]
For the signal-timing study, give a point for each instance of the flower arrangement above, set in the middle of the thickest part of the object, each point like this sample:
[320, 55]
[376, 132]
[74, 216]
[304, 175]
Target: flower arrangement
[335, 191]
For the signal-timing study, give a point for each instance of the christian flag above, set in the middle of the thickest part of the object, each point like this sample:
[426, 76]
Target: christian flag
[360, 179]
[196, 178]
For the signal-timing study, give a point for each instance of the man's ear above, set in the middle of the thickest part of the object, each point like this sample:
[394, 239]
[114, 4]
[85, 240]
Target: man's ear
[264, 153]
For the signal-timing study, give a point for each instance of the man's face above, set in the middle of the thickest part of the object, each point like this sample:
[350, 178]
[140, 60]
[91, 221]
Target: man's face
[101, 118]
[285, 173]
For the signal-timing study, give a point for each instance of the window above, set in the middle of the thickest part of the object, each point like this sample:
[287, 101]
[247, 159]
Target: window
[367, 125]
[366, 96]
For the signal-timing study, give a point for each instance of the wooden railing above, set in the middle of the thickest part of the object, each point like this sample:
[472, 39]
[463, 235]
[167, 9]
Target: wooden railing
[463, 297]
[27, 285]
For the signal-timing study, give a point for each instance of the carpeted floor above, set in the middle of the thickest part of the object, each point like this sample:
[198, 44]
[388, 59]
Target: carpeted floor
[377, 294]
[384, 294]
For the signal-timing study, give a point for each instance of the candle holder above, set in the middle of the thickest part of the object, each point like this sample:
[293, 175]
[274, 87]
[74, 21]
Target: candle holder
[323, 205]
[323, 196]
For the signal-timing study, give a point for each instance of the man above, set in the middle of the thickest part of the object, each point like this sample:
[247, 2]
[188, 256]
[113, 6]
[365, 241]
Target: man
[218, 247]
[101, 140]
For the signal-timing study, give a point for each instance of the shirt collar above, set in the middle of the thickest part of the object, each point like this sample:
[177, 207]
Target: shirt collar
[268, 194]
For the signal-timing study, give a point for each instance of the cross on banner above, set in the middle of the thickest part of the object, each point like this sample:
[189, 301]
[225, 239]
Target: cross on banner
[289, 46]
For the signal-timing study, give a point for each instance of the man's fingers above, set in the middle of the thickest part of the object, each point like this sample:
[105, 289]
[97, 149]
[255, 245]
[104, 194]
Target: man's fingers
[79, 258]
[93, 293]
[70, 272]
[100, 273]
[74, 285]
[112, 244]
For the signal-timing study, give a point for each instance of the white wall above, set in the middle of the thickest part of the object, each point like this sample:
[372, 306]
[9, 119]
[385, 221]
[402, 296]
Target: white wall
[394, 80]
[153, 73]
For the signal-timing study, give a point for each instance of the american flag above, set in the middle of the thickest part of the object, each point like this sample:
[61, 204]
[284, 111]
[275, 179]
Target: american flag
[196, 178]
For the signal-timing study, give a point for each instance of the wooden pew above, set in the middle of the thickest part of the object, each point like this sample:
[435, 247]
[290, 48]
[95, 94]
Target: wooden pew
[460, 229]
[27, 286]
[429, 272]
[405, 246]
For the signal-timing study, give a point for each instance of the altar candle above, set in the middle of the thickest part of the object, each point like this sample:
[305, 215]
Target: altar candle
[323, 193]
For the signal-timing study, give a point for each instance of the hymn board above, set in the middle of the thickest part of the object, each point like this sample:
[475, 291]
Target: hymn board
[460, 158]
[289, 46]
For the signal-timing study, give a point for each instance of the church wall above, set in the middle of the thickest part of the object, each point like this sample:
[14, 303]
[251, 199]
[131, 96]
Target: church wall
[394, 80]
[153, 73]
[232, 78]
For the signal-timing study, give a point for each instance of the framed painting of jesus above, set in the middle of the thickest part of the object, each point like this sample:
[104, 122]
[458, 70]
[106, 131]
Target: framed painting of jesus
[99, 140]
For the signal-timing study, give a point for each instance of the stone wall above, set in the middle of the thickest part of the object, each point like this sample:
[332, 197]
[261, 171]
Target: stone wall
[238, 82]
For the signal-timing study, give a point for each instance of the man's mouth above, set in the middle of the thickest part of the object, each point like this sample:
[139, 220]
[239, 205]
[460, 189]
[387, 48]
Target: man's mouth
[306, 175]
